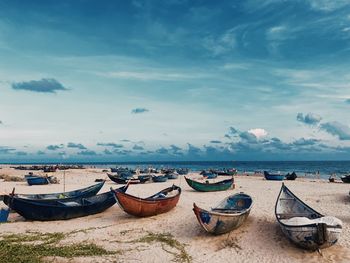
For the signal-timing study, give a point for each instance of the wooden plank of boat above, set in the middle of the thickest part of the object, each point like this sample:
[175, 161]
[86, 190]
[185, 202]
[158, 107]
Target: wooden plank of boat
[62, 209]
[227, 216]
[210, 187]
[303, 225]
[158, 203]
[83, 193]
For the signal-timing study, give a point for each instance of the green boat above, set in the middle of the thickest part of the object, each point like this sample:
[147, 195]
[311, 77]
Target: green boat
[210, 187]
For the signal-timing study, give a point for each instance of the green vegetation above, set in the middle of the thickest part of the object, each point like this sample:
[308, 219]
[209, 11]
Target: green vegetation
[168, 240]
[35, 247]
[10, 178]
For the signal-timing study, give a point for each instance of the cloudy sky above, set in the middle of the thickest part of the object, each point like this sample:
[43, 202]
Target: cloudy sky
[174, 80]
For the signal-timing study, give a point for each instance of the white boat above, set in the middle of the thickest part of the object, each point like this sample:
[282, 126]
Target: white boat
[303, 225]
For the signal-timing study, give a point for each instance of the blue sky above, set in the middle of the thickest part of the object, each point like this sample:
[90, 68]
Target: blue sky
[174, 80]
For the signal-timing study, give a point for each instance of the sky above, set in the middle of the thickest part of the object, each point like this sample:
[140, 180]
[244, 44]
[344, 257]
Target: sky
[174, 80]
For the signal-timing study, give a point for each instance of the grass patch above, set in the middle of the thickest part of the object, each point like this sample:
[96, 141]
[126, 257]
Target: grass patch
[35, 247]
[230, 242]
[167, 239]
[10, 178]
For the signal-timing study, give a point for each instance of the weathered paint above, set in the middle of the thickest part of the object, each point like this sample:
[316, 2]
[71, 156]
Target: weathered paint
[310, 236]
[222, 222]
[153, 205]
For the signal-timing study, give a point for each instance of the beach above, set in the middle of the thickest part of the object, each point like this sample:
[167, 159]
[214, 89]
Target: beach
[177, 235]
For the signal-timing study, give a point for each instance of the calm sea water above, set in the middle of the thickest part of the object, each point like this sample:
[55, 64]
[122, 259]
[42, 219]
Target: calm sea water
[310, 168]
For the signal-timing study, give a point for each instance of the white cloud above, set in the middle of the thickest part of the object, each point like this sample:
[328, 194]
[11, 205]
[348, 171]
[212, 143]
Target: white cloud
[258, 132]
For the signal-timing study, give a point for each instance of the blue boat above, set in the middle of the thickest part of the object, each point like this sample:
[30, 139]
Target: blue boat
[144, 178]
[274, 177]
[209, 175]
[4, 214]
[172, 176]
[37, 180]
[62, 209]
[160, 178]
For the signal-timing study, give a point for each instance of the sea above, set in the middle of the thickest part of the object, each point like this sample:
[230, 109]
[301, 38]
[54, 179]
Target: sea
[313, 169]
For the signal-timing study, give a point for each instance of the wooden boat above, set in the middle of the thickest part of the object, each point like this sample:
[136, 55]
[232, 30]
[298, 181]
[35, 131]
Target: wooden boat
[158, 203]
[82, 193]
[303, 225]
[273, 177]
[210, 187]
[291, 176]
[227, 216]
[61, 209]
[122, 180]
[345, 179]
[160, 178]
[37, 180]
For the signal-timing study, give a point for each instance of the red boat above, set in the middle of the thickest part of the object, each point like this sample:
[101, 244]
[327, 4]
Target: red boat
[158, 203]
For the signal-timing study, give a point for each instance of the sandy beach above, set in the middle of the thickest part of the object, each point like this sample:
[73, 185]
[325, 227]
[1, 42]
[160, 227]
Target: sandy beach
[259, 239]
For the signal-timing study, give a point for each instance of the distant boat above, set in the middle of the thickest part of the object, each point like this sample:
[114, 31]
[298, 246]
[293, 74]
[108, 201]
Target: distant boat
[37, 180]
[144, 178]
[303, 225]
[123, 180]
[273, 177]
[82, 193]
[291, 176]
[226, 172]
[210, 187]
[61, 209]
[227, 216]
[182, 171]
[209, 174]
[172, 176]
[345, 178]
[159, 178]
[158, 203]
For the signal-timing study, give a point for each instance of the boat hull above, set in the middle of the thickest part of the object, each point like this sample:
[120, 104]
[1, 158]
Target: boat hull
[303, 225]
[160, 179]
[217, 223]
[307, 237]
[61, 210]
[172, 176]
[121, 180]
[274, 177]
[37, 180]
[208, 187]
[345, 179]
[144, 207]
